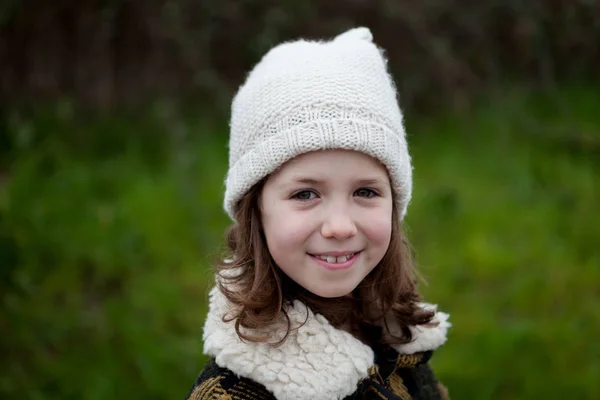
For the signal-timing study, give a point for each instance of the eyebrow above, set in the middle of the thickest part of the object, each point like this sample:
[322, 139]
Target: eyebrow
[371, 181]
[308, 181]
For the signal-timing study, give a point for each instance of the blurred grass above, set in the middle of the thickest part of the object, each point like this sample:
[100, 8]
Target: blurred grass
[108, 225]
[506, 226]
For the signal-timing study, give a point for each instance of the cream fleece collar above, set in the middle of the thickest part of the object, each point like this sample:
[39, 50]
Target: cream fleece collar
[317, 361]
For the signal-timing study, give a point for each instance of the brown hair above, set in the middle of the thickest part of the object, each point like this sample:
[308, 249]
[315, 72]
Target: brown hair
[387, 295]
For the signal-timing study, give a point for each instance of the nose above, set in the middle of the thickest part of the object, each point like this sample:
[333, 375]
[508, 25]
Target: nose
[338, 224]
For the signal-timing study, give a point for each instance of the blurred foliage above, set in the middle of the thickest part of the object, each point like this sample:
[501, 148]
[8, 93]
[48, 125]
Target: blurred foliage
[105, 255]
[113, 153]
[105, 250]
[110, 53]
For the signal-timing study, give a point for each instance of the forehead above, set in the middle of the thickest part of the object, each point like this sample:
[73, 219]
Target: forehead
[331, 163]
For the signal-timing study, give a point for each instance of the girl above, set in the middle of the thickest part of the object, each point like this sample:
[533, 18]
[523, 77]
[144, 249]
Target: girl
[319, 298]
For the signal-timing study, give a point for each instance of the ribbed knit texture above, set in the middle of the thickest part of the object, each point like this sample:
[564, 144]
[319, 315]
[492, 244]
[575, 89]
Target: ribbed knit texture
[317, 95]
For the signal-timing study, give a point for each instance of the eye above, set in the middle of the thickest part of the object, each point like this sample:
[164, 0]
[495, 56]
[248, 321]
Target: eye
[305, 195]
[364, 192]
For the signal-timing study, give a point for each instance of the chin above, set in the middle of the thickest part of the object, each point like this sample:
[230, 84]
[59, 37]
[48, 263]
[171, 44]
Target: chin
[333, 292]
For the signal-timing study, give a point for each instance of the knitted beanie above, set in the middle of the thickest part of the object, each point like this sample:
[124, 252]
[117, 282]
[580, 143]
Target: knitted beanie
[317, 95]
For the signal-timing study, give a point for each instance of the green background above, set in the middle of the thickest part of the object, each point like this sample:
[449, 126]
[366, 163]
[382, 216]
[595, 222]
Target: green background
[110, 219]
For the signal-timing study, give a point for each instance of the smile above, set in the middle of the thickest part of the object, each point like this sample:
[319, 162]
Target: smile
[335, 261]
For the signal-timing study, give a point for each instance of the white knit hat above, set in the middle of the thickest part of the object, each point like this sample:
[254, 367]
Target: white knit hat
[314, 95]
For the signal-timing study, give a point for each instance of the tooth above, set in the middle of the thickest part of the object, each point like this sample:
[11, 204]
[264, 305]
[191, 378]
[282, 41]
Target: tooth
[331, 259]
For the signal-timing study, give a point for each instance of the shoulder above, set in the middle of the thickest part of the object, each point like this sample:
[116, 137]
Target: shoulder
[415, 373]
[215, 383]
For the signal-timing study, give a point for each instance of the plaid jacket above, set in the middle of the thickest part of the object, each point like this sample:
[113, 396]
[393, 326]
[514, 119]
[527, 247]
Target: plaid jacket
[411, 379]
[316, 362]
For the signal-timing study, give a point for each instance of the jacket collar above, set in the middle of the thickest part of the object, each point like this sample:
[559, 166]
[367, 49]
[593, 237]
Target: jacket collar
[317, 361]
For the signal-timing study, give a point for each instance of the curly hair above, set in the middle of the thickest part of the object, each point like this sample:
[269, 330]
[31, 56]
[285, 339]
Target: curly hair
[259, 291]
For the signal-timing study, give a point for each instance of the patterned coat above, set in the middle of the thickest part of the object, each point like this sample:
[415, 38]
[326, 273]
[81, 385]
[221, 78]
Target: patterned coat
[316, 362]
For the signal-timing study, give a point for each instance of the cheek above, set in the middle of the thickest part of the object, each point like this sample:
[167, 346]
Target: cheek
[286, 231]
[378, 228]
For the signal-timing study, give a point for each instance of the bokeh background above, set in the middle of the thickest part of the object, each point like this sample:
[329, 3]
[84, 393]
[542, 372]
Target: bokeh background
[113, 153]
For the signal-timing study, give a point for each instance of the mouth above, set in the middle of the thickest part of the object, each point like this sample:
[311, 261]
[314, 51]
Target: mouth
[336, 261]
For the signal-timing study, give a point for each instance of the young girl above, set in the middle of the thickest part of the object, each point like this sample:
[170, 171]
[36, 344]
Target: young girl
[319, 298]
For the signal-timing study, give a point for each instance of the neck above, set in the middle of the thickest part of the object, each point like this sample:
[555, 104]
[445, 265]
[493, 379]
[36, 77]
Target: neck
[357, 313]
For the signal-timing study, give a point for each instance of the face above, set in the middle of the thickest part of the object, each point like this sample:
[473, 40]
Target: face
[327, 219]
